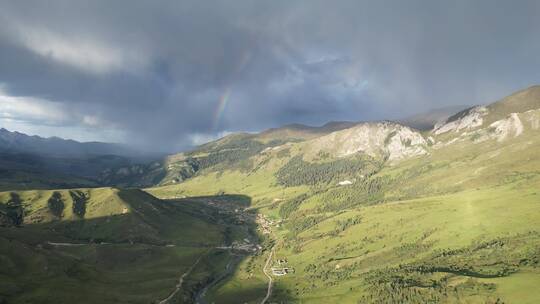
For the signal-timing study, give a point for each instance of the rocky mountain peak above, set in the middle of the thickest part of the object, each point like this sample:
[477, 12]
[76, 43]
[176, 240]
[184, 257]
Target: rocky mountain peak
[376, 139]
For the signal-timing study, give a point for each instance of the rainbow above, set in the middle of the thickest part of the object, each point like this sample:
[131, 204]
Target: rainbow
[222, 104]
[225, 97]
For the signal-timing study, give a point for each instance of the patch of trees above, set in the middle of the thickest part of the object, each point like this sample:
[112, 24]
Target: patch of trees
[288, 207]
[342, 225]
[12, 213]
[516, 176]
[79, 202]
[367, 191]
[429, 279]
[279, 142]
[302, 223]
[15, 209]
[421, 281]
[393, 285]
[234, 154]
[56, 204]
[226, 158]
[299, 172]
[327, 274]
[178, 171]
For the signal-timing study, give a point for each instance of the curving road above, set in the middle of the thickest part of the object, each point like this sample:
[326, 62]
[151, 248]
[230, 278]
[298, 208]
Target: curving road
[180, 282]
[270, 280]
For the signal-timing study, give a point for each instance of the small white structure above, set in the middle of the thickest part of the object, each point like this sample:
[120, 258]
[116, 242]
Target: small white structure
[345, 183]
[281, 271]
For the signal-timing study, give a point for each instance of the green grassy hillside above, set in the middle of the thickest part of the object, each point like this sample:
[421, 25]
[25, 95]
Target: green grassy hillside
[424, 235]
[230, 152]
[457, 224]
[519, 102]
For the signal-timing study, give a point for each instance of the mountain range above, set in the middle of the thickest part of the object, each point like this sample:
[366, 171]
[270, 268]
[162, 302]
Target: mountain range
[15, 142]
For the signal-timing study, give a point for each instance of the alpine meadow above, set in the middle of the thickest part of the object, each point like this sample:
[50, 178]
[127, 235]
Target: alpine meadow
[250, 152]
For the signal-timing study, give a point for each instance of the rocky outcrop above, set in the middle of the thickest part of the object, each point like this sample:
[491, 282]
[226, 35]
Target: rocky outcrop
[507, 127]
[380, 139]
[512, 126]
[465, 120]
[505, 119]
[533, 117]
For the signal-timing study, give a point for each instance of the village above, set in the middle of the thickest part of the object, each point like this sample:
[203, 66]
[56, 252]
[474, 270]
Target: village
[265, 225]
[280, 266]
[243, 216]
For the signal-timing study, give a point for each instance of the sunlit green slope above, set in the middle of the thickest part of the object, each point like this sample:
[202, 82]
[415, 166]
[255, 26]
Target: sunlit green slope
[452, 217]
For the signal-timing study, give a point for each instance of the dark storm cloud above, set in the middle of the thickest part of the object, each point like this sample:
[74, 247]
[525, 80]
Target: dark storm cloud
[158, 70]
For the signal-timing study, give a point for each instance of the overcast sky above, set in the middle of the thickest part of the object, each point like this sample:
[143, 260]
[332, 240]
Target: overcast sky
[167, 74]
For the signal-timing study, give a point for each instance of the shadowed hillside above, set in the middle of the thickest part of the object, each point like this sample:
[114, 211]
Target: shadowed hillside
[110, 246]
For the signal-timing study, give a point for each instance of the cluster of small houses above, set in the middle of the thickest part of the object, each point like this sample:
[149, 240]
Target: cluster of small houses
[282, 268]
[266, 224]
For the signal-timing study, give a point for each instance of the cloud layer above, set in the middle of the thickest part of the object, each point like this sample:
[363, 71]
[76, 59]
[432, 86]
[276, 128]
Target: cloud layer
[165, 74]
